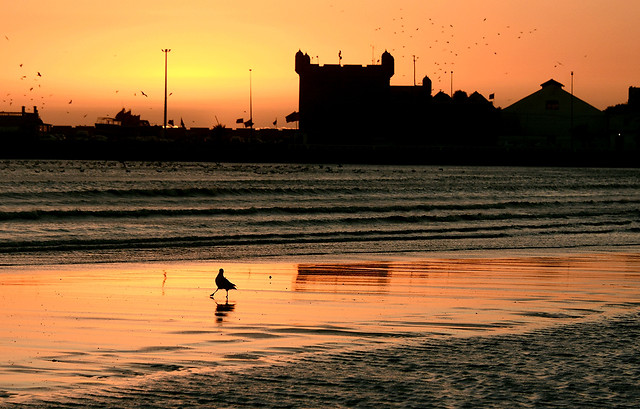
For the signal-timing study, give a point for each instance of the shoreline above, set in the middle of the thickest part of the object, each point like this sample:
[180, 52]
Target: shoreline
[322, 154]
[332, 258]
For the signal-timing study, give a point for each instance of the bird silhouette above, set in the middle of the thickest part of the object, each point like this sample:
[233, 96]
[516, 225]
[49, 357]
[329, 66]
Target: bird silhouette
[223, 283]
[142, 92]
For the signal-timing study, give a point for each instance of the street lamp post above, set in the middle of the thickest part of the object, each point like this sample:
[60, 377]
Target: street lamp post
[250, 101]
[164, 124]
[414, 70]
[452, 83]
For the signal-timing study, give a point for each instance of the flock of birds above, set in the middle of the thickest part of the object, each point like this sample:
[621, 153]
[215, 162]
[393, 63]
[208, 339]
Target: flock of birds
[437, 46]
[33, 91]
[445, 44]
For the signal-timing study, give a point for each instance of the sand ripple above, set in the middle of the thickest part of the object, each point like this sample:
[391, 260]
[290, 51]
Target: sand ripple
[586, 365]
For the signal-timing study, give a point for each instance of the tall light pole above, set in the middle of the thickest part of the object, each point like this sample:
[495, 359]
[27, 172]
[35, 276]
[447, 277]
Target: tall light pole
[414, 70]
[250, 101]
[452, 83]
[164, 124]
[571, 104]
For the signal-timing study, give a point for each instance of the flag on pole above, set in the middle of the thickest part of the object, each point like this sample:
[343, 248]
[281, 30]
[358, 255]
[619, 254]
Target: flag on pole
[240, 120]
[248, 124]
[293, 117]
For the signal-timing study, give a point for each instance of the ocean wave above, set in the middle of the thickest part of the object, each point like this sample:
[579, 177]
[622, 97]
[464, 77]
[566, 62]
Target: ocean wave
[187, 192]
[280, 209]
[307, 238]
[228, 240]
[405, 212]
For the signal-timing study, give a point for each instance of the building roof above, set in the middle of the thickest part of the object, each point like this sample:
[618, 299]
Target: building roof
[552, 99]
[551, 83]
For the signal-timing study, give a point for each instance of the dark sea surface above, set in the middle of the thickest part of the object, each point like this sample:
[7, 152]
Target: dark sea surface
[84, 212]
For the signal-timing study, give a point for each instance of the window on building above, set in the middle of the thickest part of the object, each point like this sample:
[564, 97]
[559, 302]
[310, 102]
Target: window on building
[553, 105]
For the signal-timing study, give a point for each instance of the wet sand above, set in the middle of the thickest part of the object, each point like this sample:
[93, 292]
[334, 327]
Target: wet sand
[69, 331]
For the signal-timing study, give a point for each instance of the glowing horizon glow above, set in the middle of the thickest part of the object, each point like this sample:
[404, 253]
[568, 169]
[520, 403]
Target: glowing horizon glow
[100, 59]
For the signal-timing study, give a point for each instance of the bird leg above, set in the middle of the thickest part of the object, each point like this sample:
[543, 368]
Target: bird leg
[214, 293]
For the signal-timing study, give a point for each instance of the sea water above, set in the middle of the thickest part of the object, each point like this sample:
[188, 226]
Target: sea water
[84, 211]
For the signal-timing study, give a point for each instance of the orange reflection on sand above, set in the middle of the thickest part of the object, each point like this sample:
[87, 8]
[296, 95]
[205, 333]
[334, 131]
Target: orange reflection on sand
[363, 274]
[64, 326]
[498, 293]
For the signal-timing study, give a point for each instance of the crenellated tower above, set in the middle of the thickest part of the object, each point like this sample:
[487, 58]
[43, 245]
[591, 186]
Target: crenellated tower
[343, 104]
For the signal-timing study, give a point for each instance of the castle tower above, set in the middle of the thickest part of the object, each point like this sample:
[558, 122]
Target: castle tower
[343, 104]
[303, 61]
[426, 83]
[388, 63]
[634, 98]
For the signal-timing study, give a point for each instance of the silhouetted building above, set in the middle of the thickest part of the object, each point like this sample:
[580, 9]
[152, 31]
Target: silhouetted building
[125, 125]
[126, 118]
[22, 124]
[343, 103]
[634, 98]
[406, 110]
[623, 122]
[354, 104]
[553, 117]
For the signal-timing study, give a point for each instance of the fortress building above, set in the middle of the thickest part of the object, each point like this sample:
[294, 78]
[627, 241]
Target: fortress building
[355, 104]
[343, 103]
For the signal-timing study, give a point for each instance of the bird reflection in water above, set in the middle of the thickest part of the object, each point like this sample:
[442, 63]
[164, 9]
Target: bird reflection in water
[222, 310]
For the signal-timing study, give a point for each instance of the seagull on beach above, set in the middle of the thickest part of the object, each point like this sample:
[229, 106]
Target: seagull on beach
[223, 283]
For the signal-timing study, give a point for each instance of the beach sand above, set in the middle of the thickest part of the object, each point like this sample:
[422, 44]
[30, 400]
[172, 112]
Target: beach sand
[92, 335]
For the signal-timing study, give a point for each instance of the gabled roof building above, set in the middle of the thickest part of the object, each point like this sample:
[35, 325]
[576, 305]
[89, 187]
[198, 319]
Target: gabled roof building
[552, 116]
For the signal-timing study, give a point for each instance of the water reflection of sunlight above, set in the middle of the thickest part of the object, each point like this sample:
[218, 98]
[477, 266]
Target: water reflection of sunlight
[362, 274]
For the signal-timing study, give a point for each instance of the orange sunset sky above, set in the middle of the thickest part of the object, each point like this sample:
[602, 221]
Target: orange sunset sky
[95, 57]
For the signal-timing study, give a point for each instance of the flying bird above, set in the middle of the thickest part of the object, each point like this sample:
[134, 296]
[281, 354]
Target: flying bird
[223, 283]
[39, 75]
[142, 92]
[70, 101]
